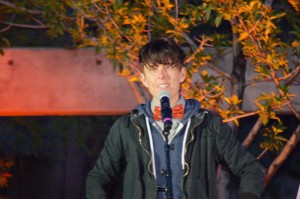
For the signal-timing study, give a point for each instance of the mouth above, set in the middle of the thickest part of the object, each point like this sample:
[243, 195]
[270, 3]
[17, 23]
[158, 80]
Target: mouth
[163, 86]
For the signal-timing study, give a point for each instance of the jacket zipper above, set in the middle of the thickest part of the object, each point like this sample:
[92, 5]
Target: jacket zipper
[148, 153]
[185, 150]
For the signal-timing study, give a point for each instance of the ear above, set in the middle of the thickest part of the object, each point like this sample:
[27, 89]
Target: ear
[182, 74]
[143, 80]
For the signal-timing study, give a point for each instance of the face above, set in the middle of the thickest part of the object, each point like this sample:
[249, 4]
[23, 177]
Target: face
[164, 78]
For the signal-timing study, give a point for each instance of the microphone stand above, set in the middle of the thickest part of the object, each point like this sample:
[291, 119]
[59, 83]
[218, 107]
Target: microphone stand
[166, 112]
[168, 172]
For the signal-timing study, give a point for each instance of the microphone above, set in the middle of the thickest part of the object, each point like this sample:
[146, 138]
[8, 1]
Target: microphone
[166, 110]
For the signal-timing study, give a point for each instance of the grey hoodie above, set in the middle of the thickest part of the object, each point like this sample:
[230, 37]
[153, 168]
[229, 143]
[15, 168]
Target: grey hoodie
[176, 140]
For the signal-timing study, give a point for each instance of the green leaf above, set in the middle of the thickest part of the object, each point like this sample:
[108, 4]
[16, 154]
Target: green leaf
[207, 13]
[218, 20]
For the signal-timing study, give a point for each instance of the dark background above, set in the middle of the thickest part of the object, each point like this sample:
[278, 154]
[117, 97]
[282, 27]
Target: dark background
[54, 154]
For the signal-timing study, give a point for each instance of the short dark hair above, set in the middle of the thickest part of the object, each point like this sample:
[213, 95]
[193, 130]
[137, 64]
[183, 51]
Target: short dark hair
[161, 51]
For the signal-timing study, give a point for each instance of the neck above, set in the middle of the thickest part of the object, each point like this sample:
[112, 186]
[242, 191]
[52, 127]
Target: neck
[173, 102]
[180, 100]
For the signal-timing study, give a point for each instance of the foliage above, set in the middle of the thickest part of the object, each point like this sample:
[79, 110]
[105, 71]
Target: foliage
[5, 166]
[273, 141]
[122, 27]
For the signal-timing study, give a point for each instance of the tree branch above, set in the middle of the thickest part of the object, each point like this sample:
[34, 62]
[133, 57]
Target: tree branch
[219, 71]
[253, 133]
[5, 29]
[200, 47]
[24, 25]
[289, 78]
[293, 75]
[241, 116]
[262, 153]
[23, 9]
[291, 144]
[189, 40]
[291, 107]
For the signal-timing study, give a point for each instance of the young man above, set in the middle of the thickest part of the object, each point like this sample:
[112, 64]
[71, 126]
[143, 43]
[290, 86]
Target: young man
[198, 141]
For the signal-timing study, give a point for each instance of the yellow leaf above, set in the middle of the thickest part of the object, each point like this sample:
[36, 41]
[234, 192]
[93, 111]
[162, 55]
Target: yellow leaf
[204, 73]
[171, 32]
[243, 36]
[269, 58]
[283, 139]
[227, 100]
[236, 122]
[126, 21]
[125, 72]
[184, 25]
[227, 16]
[295, 4]
[296, 43]
[134, 79]
[278, 15]
[264, 118]
[252, 4]
[234, 99]
[234, 29]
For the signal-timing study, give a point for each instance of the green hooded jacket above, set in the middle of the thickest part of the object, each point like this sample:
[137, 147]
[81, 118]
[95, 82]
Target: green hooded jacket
[127, 155]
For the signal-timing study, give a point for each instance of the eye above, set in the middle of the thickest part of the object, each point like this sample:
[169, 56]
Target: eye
[153, 69]
[170, 66]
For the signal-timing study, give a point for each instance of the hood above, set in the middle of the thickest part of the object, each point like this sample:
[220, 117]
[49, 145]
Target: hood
[192, 107]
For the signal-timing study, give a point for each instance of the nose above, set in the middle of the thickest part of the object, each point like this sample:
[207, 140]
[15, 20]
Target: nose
[163, 73]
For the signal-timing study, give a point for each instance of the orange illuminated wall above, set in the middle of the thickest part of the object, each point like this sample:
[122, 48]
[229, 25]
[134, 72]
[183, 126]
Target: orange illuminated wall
[55, 81]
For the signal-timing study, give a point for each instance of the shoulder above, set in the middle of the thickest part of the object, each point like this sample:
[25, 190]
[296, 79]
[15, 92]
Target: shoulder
[214, 123]
[210, 118]
[122, 121]
[127, 120]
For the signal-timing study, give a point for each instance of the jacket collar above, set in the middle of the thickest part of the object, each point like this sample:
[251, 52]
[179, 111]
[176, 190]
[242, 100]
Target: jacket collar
[143, 110]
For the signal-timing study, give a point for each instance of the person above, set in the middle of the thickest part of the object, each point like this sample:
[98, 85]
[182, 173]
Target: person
[135, 148]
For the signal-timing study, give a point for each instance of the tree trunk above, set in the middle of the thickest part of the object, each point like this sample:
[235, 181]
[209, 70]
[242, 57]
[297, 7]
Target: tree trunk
[237, 88]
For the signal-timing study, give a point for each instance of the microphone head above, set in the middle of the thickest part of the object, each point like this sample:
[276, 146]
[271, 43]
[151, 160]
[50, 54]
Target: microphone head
[163, 94]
